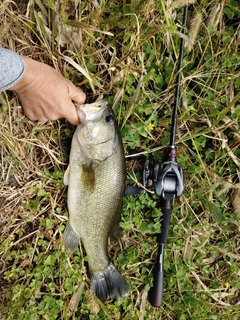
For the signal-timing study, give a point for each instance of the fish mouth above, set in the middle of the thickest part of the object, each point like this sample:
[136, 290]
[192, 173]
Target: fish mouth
[91, 111]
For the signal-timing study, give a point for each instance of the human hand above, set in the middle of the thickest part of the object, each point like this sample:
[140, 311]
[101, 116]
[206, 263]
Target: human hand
[46, 95]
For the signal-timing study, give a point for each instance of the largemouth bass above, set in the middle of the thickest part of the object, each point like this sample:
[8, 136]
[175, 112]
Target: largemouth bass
[96, 180]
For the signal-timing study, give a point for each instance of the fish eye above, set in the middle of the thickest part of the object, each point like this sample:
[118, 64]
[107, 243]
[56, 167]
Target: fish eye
[109, 118]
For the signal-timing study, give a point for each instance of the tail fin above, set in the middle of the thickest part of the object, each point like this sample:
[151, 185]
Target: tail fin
[109, 283]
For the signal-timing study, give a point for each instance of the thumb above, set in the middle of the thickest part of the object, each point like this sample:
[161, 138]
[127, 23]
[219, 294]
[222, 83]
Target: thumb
[77, 96]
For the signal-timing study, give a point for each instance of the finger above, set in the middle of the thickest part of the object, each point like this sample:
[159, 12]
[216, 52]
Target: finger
[34, 115]
[37, 118]
[71, 115]
[76, 94]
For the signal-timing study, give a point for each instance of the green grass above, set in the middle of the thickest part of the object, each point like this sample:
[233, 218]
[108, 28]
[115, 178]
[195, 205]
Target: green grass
[126, 51]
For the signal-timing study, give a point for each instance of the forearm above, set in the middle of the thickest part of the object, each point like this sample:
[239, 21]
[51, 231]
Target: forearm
[12, 68]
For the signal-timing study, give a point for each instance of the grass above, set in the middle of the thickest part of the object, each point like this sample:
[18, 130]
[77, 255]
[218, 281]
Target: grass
[126, 51]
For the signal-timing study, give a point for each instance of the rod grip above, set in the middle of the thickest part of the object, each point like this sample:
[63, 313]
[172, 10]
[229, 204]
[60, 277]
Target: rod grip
[156, 292]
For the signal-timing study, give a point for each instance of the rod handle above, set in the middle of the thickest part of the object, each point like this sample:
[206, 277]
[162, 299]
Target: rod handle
[156, 292]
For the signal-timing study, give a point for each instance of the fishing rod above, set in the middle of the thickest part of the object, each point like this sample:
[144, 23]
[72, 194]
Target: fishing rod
[167, 180]
[168, 183]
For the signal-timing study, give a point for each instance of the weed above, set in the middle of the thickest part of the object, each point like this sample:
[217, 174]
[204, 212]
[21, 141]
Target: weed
[128, 52]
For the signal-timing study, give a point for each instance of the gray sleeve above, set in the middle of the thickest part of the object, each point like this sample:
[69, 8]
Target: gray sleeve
[12, 68]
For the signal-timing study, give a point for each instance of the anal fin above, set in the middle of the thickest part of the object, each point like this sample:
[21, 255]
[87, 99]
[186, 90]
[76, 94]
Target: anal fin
[71, 239]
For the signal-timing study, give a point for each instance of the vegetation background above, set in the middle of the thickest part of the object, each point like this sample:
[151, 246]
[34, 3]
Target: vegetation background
[127, 51]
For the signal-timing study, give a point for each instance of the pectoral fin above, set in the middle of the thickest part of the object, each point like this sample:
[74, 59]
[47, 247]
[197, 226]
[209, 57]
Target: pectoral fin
[71, 239]
[67, 176]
